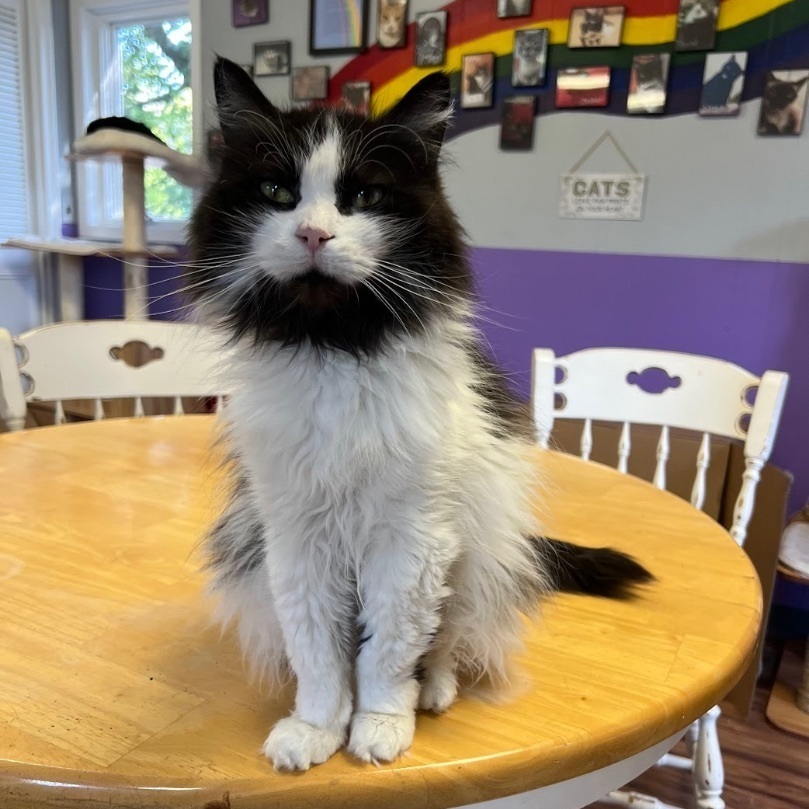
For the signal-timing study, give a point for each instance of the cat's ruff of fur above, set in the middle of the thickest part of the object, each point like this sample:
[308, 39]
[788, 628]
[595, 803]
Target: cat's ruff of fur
[378, 542]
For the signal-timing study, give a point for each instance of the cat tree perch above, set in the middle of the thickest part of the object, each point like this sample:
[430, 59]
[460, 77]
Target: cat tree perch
[135, 152]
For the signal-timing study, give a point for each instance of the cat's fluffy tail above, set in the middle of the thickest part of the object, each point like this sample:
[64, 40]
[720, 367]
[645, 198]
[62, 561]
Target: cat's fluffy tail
[590, 571]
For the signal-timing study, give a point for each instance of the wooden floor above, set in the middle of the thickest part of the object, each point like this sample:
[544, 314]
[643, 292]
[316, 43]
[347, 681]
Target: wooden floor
[765, 768]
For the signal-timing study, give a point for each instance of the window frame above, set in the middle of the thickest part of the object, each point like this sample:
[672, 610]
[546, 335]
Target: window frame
[92, 23]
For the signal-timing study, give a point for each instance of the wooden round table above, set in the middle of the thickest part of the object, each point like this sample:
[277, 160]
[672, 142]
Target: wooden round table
[116, 690]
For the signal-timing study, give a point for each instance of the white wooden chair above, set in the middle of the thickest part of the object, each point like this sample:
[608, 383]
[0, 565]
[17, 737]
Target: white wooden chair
[696, 393]
[107, 359]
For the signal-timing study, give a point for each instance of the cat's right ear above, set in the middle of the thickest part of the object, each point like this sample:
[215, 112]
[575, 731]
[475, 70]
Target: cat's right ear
[238, 99]
[426, 109]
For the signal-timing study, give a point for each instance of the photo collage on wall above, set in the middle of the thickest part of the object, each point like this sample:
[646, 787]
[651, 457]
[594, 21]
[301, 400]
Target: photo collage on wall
[339, 27]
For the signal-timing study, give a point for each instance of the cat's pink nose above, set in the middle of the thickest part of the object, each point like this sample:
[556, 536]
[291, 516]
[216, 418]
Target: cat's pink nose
[313, 238]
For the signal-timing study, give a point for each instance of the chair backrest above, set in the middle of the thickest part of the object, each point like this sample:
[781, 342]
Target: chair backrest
[108, 359]
[667, 389]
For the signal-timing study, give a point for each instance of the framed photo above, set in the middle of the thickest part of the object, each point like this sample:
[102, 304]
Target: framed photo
[596, 27]
[250, 12]
[310, 83]
[391, 29]
[783, 103]
[583, 87]
[648, 80]
[696, 25]
[722, 84]
[530, 57]
[271, 58]
[356, 96]
[338, 26]
[517, 124]
[477, 81]
[514, 8]
[431, 39]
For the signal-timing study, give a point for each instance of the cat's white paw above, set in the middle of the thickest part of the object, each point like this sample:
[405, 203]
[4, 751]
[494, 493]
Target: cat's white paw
[381, 736]
[438, 691]
[295, 745]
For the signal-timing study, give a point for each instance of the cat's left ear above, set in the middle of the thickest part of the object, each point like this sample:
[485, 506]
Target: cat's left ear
[800, 82]
[426, 109]
[237, 98]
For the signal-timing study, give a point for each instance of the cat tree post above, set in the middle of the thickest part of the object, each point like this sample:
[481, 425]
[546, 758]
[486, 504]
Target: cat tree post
[135, 263]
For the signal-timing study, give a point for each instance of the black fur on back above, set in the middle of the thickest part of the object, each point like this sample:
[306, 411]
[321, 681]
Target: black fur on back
[265, 143]
[590, 571]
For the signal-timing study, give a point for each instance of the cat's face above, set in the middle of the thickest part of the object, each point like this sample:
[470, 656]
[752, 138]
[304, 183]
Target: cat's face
[781, 94]
[391, 22]
[323, 225]
[530, 46]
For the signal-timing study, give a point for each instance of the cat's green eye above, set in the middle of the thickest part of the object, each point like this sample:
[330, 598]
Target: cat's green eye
[277, 193]
[367, 197]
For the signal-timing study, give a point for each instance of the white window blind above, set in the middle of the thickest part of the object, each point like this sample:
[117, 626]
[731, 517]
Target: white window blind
[14, 210]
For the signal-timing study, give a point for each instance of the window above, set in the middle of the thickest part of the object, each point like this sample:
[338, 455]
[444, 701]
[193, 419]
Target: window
[133, 59]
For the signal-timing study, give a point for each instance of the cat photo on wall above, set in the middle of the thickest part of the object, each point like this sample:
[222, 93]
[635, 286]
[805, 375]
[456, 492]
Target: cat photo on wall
[357, 96]
[596, 27]
[530, 57]
[696, 25]
[391, 23]
[514, 8]
[723, 83]
[783, 103]
[517, 123]
[431, 39]
[477, 81]
[647, 83]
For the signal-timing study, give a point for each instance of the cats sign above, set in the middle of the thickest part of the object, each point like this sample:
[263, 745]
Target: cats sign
[602, 196]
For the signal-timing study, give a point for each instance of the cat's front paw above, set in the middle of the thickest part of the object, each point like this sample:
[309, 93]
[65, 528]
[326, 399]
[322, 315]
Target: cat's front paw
[380, 736]
[295, 745]
[438, 691]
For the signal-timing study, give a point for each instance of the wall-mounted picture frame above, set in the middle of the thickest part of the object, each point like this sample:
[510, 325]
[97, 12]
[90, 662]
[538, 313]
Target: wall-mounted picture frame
[596, 27]
[477, 81]
[783, 102]
[583, 87]
[310, 83]
[517, 123]
[696, 25]
[249, 12]
[337, 26]
[391, 23]
[431, 39]
[514, 8]
[272, 58]
[530, 57]
[356, 96]
[723, 84]
[648, 80]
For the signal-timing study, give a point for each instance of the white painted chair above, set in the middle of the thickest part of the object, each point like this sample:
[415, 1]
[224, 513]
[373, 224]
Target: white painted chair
[107, 359]
[668, 390]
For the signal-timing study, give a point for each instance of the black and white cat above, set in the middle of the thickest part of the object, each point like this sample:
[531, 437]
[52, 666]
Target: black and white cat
[380, 542]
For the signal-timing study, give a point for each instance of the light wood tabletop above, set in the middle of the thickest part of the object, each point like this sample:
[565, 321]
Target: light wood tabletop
[115, 690]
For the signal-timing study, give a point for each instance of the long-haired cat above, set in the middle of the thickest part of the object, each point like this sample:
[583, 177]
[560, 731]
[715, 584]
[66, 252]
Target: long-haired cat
[392, 28]
[783, 106]
[380, 542]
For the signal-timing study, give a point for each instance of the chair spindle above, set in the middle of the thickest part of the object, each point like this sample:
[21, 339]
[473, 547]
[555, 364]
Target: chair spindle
[98, 410]
[662, 458]
[139, 414]
[624, 448]
[587, 439]
[178, 406]
[59, 413]
[703, 462]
